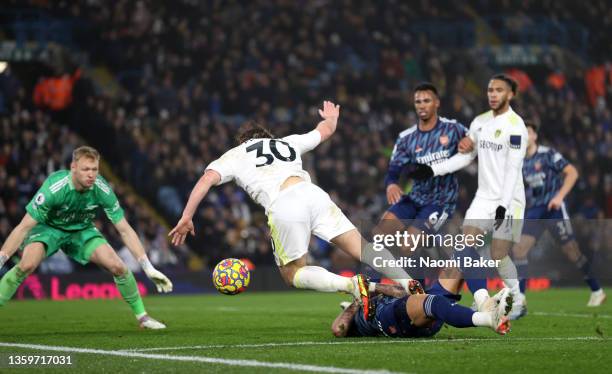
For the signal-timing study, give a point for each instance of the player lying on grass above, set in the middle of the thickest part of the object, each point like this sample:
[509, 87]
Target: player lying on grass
[395, 313]
[60, 216]
[270, 171]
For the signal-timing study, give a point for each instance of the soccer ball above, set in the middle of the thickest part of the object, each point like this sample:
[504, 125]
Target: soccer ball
[231, 276]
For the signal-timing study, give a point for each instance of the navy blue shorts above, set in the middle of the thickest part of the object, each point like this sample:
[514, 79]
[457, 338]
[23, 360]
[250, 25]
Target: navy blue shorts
[428, 218]
[556, 221]
[392, 318]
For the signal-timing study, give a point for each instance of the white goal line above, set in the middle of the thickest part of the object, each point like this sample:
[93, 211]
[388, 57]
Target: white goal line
[370, 341]
[197, 359]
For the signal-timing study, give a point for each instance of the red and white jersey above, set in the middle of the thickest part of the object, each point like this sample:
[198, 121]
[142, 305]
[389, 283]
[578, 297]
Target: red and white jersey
[501, 143]
[261, 165]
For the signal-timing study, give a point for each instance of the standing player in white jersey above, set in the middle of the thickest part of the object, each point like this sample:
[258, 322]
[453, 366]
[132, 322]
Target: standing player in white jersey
[270, 171]
[500, 138]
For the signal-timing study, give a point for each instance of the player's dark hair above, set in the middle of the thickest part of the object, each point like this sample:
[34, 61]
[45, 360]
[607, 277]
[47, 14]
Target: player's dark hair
[426, 86]
[252, 130]
[533, 125]
[508, 79]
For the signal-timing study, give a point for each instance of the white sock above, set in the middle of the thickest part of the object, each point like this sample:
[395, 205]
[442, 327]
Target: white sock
[398, 274]
[507, 271]
[480, 297]
[319, 279]
[482, 319]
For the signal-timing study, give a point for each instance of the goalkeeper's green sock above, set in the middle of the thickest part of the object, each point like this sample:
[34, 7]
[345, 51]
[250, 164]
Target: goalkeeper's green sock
[10, 282]
[128, 288]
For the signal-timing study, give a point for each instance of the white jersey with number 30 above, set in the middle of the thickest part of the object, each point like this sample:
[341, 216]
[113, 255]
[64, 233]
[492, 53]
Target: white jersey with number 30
[261, 165]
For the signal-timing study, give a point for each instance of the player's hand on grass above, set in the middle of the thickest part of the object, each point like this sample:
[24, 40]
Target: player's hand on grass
[180, 231]
[330, 111]
[555, 203]
[466, 145]
[421, 171]
[500, 214]
[394, 193]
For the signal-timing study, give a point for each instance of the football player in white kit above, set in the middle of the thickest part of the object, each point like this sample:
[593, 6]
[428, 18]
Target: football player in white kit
[270, 171]
[499, 139]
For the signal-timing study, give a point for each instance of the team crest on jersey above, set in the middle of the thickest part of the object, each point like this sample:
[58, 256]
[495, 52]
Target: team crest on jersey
[537, 166]
[39, 199]
[444, 139]
[497, 133]
[418, 149]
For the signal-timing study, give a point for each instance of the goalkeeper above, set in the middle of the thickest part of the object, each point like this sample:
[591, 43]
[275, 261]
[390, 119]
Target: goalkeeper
[60, 216]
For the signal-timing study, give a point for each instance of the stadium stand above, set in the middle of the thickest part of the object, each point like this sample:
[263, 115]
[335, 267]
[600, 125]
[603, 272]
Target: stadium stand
[190, 76]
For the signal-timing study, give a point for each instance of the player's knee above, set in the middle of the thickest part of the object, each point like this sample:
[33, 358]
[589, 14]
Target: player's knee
[519, 252]
[571, 250]
[117, 268]
[500, 249]
[289, 271]
[288, 275]
[415, 309]
[27, 267]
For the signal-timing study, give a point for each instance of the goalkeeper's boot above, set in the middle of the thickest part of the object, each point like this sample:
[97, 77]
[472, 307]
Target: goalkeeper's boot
[597, 298]
[146, 322]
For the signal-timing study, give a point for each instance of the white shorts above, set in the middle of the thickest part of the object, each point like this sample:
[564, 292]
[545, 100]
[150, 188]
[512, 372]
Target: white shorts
[481, 214]
[298, 211]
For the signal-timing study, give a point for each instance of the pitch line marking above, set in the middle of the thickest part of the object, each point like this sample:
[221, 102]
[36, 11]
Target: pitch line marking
[404, 341]
[212, 360]
[593, 315]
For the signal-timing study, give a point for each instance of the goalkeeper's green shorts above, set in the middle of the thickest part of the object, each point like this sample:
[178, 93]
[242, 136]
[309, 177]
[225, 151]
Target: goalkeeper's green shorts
[78, 245]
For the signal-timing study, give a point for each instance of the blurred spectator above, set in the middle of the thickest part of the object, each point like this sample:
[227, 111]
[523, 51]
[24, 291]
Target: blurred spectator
[55, 93]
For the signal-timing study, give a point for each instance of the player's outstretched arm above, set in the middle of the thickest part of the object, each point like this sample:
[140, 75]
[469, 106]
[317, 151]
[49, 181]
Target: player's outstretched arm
[185, 224]
[15, 238]
[342, 323]
[131, 240]
[570, 176]
[466, 153]
[457, 162]
[330, 113]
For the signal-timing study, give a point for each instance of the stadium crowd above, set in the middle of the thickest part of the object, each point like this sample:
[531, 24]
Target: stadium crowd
[192, 74]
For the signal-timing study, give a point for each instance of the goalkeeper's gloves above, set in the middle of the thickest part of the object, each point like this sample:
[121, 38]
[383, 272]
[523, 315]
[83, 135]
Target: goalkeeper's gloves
[3, 259]
[421, 171]
[162, 283]
[500, 214]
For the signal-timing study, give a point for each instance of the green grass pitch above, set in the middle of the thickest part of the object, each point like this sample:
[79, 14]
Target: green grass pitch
[251, 331]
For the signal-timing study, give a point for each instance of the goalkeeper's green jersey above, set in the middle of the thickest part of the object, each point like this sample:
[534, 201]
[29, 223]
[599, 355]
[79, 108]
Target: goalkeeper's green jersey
[58, 204]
